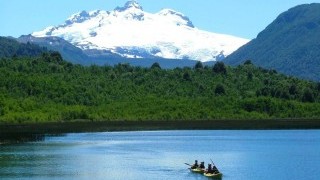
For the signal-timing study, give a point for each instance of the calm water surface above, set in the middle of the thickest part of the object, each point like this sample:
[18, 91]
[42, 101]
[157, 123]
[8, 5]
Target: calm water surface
[161, 155]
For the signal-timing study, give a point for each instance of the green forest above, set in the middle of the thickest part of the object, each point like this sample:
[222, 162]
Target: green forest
[48, 89]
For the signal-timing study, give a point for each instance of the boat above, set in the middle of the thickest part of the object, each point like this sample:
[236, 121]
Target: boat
[197, 170]
[213, 175]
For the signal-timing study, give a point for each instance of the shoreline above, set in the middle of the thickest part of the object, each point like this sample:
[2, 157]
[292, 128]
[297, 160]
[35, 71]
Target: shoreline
[20, 133]
[101, 126]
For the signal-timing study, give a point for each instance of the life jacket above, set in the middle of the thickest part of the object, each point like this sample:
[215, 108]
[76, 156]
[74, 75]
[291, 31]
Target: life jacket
[202, 166]
[194, 166]
[215, 169]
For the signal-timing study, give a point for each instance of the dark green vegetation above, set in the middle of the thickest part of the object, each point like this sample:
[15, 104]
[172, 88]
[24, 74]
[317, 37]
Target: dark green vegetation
[290, 44]
[68, 51]
[12, 48]
[49, 89]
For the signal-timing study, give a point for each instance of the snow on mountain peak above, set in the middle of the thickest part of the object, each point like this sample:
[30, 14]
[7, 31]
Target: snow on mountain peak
[171, 13]
[130, 5]
[78, 17]
[131, 32]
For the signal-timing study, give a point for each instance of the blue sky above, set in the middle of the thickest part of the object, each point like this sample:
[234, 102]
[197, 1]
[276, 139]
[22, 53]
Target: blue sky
[243, 18]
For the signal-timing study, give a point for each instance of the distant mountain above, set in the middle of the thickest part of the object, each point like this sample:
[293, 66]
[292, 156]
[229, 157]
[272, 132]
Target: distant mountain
[131, 32]
[290, 44]
[9, 47]
[28, 45]
[67, 50]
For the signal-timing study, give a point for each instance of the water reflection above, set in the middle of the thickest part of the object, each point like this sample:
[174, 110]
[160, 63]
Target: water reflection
[9, 138]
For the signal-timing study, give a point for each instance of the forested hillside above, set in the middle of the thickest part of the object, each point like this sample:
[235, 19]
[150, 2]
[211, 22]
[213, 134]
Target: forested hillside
[10, 47]
[290, 44]
[47, 88]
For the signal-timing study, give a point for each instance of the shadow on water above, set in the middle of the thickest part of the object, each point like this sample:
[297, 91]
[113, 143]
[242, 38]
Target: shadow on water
[14, 138]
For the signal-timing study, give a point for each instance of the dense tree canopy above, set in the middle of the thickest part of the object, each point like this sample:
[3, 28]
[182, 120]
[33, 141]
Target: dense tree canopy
[219, 67]
[48, 88]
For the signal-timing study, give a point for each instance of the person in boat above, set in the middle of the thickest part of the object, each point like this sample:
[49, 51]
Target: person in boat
[209, 170]
[202, 165]
[215, 169]
[195, 165]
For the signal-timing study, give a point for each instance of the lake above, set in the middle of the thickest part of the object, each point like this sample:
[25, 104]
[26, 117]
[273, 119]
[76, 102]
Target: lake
[255, 154]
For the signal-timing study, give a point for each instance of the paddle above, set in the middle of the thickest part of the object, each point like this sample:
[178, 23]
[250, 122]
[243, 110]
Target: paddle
[212, 161]
[188, 164]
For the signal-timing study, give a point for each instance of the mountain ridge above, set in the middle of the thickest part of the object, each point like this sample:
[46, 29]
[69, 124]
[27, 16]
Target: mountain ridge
[76, 56]
[167, 34]
[290, 44]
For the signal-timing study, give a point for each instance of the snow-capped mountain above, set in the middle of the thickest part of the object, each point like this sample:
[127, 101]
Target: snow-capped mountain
[131, 32]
